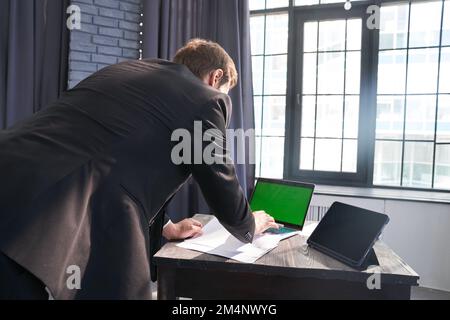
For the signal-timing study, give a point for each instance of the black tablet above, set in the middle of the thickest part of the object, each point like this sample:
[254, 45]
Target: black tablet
[348, 233]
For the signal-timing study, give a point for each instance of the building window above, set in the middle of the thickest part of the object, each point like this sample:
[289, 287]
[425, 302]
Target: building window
[353, 111]
[413, 118]
[269, 59]
[330, 95]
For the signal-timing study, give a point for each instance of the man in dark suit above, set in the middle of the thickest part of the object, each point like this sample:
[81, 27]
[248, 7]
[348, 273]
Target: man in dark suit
[84, 179]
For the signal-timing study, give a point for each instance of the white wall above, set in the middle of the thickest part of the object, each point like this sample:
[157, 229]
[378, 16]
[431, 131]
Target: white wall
[418, 232]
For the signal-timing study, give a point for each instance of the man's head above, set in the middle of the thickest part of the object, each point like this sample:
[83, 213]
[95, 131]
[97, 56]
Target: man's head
[210, 62]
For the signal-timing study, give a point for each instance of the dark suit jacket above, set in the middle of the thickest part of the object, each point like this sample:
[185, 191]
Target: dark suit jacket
[84, 179]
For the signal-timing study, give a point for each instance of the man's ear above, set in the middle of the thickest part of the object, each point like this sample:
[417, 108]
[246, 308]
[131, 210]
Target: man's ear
[215, 78]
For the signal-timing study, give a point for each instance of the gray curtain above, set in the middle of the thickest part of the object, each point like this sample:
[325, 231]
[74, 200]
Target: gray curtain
[168, 24]
[33, 56]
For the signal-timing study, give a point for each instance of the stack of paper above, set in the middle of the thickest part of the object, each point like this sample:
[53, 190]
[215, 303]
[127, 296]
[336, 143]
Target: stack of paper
[218, 241]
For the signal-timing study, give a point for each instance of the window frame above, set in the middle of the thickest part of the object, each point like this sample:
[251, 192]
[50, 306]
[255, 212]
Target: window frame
[295, 104]
[368, 95]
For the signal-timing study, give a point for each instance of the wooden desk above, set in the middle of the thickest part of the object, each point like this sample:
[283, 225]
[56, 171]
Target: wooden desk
[291, 271]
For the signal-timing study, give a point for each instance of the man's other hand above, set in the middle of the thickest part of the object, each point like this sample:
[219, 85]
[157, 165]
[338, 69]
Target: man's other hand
[263, 222]
[188, 228]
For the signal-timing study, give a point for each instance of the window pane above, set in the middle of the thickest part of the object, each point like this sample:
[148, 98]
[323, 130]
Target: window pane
[328, 155]
[335, 1]
[257, 4]
[420, 117]
[351, 121]
[392, 72]
[350, 155]
[388, 160]
[257, 34]
[354, 34]
[309, 73]
[444, 82]
[394, 26]
[425, 24]
[272, 158]
[332, 35]
[422, 70]
[257, 156]
[353, 73]
[417, 168]
[329, 116]
[308, 116]
[274, 116]
[306, 2]
[310, 36]
[331, 73]
[276, 33]
[446, 26]
[306, 154]
[257, 102]
[442, 169]
[257, 74]
[390, 117]
[311, 2]
[443, 125]
[275, 75]
[277, 4]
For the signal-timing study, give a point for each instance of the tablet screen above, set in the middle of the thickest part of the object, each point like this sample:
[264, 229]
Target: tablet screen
[348, 231]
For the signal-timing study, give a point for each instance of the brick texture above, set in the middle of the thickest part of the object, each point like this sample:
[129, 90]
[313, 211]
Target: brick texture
[109, 34]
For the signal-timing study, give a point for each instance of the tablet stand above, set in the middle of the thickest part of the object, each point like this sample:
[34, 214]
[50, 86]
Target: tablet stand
[371, 260]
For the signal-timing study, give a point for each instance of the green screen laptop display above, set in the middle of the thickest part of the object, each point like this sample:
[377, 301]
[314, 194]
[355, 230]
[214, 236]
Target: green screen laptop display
[286, 203]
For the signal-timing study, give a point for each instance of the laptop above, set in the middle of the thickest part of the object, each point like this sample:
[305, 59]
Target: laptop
[348, 233]
[286, 201]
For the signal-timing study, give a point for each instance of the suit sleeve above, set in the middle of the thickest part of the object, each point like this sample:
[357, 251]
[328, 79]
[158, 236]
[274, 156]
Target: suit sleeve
[217, 179]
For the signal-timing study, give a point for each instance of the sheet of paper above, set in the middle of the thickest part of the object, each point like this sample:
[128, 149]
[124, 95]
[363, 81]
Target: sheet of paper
[217, 240]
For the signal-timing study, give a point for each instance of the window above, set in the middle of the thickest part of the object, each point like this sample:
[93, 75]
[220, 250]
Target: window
[349, 105]
[330, 95]
[269, 59]
[412, 124]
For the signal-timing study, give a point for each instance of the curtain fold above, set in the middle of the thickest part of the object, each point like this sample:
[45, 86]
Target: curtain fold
[34, 43]
[168, 25]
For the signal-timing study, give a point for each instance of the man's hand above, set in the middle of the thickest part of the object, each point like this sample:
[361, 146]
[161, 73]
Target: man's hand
[188, 228]
[263, 222]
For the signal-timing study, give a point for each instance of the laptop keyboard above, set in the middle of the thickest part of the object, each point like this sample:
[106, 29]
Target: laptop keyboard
[281, 230]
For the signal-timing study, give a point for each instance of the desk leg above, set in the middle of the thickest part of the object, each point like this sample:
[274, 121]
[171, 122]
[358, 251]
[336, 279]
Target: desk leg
[166, 283]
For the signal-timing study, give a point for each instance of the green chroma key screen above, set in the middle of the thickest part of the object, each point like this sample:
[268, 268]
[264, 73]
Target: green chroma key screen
[286, 203]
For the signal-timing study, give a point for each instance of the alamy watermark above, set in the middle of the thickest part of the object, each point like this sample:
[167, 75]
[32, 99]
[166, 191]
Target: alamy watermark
[374, 280]
[212, 147]
[373, 21]
[73, 281]
[74, 20]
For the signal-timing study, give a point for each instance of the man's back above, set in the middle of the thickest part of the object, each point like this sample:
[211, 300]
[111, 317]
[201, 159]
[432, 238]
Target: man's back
[99, 113]
[87, 175]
